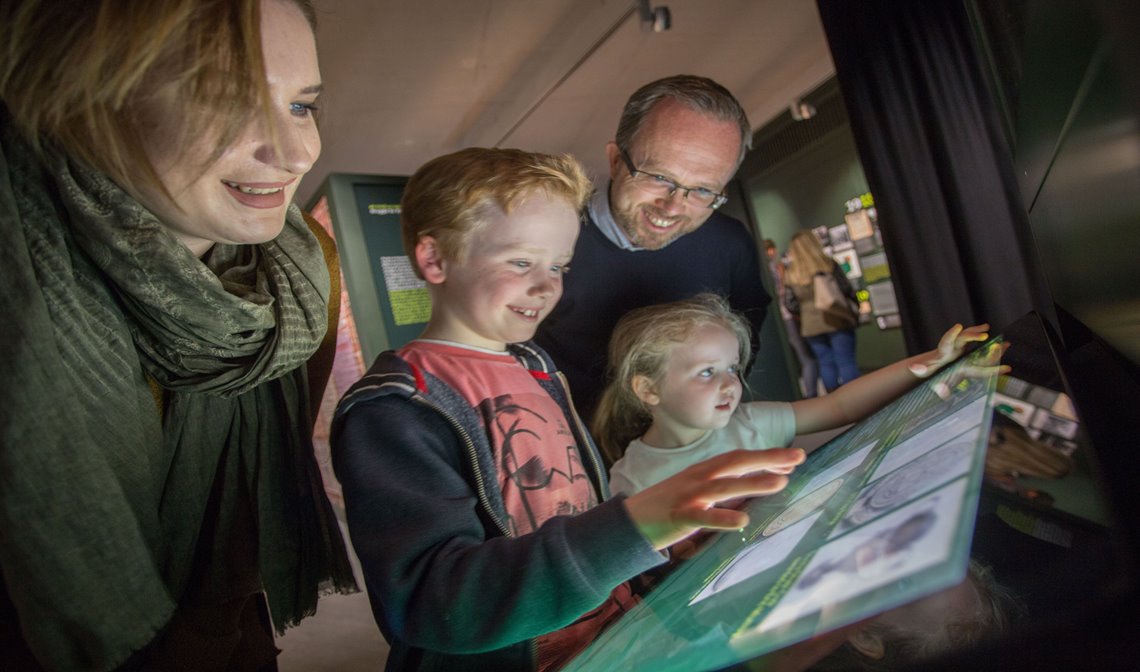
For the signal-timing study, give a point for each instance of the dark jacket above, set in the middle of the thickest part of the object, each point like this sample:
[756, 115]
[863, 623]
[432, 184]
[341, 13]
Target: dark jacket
[606, 282]
[450, 588]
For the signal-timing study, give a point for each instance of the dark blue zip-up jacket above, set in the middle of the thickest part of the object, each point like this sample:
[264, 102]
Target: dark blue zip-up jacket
[450, 588]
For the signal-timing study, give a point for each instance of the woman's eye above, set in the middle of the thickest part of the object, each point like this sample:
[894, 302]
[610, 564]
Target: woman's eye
[560, 269]
[706, 373]
[734, 369]
[520, 263]
[302, 109]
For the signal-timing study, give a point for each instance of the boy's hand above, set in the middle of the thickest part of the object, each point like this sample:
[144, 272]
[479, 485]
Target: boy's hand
[687, 502]
[950, 347]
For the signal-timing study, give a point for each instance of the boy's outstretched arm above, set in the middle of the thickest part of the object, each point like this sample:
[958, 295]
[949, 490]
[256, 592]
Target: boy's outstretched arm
[866, 394]
[437, 578]
[687, 502]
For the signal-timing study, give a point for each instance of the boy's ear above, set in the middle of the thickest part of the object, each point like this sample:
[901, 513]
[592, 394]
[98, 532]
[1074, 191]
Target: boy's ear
[644, 389]
[868, 642]
[430, 261]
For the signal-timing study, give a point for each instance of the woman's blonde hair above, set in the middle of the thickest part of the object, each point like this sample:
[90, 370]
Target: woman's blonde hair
[641, 345]
[807, 258]
[452, 197]
[75, 75]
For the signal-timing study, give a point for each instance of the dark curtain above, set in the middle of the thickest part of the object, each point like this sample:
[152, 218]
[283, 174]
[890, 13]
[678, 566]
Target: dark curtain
[932, 146]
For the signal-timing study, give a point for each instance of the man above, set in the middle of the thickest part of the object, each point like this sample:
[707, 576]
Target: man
[654, 235]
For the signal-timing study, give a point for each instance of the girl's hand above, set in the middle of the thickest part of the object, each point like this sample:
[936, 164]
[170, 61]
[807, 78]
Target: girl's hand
[950, 347]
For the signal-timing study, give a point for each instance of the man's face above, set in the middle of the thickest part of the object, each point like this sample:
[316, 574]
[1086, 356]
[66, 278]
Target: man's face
[684, 146]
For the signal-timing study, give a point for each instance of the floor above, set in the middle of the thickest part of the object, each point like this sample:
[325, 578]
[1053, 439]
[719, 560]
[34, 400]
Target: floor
[341, 637]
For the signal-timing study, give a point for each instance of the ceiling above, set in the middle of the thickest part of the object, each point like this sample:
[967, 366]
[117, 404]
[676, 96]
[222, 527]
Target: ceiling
[406, 81]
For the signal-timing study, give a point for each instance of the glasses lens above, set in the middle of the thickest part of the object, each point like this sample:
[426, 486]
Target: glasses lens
[656, 184]
[663, 187]
[703, 197]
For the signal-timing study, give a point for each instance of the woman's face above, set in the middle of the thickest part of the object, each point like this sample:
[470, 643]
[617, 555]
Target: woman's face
[243, 196]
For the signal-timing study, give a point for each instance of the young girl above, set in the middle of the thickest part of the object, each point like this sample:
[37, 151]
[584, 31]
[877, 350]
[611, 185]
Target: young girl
[674, 392]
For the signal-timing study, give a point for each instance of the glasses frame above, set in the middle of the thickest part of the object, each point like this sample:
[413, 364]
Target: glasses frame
[718, 200]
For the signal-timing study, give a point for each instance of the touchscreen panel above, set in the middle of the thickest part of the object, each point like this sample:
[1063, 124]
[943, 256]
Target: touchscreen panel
[879, 516]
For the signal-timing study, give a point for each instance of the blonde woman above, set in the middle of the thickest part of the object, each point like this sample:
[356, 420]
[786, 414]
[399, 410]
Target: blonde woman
[165, 307]
[830, 336]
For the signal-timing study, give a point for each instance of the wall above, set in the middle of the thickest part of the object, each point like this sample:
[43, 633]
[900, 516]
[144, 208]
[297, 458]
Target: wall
[807, 187]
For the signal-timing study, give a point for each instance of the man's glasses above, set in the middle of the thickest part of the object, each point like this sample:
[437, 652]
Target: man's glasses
[664, 187]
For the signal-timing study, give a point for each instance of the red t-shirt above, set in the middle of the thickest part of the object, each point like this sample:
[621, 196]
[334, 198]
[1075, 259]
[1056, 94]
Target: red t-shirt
[540, 474]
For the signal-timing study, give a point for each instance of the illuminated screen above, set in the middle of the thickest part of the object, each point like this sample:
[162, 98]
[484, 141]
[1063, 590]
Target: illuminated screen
[879, 516]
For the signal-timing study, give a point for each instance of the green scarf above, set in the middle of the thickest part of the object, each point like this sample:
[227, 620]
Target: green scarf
[110, 515]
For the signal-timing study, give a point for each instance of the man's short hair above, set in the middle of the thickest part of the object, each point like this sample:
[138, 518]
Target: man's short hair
[700, 94]
[452, 197]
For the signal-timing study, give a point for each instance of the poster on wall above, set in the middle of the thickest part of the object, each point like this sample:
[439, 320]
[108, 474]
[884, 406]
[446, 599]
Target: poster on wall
[849, 262]
[859, 224]
[840, 240]
[863, 259]
[883, 300]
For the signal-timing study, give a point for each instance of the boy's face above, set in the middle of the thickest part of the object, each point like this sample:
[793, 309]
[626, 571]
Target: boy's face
[510, 279]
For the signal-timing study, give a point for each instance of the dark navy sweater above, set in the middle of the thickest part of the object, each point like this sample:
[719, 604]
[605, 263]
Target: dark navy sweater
[605, 282]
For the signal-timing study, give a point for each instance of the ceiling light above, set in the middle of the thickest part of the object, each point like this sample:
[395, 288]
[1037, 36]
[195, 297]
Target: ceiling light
[657, 19]
[802, 110]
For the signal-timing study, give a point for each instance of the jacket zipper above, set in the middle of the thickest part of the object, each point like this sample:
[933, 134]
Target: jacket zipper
[584, 437]
[480, 486]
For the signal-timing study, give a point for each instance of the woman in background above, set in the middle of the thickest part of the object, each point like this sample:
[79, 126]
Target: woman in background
[164, 307]
[830, 335]
[809, 367]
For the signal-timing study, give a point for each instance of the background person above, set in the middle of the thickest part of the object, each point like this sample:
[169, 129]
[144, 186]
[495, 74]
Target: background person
[809, 367]
[653, 234]
[163, 303]
[830, 336]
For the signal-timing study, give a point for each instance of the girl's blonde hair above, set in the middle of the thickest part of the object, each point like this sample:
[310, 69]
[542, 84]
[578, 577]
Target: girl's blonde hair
[808, 258]
[76, 75]
[641, 345]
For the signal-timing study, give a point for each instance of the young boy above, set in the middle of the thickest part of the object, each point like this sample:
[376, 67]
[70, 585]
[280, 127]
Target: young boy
[473, 493]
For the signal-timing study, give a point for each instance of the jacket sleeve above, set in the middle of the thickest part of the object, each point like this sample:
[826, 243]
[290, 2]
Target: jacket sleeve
[439, 575]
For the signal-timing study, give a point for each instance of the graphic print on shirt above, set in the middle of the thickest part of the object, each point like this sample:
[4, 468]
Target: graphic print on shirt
[533, 489]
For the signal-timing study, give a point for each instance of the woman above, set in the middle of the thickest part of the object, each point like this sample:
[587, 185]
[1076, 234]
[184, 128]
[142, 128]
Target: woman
[164, 302]
[809, 367]
[831, 335]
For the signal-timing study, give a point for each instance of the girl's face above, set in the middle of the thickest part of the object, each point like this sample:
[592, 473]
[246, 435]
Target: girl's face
[700, 387]
[243, 196]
